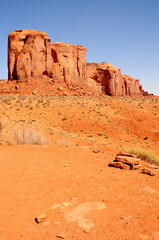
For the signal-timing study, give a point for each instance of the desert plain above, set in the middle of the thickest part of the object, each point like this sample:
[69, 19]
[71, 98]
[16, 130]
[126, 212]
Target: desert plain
[65, 181]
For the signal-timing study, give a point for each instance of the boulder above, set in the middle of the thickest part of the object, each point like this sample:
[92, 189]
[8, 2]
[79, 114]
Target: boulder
[108, 79]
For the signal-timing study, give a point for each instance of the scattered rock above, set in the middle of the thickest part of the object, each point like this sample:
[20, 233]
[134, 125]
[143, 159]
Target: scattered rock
[119, 165]
[62, 235]
[148, 171]
[129, 160]
[125, 161]
[41, 218]
[125, 154]
[66, 165]
[34, 92]
[65, 93]
[96, 150]
[60, 88]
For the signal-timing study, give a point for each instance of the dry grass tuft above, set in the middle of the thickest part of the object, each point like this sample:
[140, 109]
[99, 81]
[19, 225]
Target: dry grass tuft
[2, 125]
[147, 156]
[27, 137]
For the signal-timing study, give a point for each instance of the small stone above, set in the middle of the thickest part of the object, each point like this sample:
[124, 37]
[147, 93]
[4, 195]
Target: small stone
[66, 165]
[96, 150]
[148, 171]
[60, 88]
[34, 92]
[62, 235]
[41, 218]
[65, 94]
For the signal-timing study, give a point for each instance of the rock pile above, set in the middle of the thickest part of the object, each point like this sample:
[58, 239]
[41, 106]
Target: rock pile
[130, 162]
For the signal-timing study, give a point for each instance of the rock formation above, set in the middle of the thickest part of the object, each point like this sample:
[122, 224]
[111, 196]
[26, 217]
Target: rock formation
[27, 54]
[69, 63]
[30, 56]
[107, 78]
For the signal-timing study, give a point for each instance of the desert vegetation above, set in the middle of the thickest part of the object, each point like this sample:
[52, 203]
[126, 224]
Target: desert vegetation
[148, 156]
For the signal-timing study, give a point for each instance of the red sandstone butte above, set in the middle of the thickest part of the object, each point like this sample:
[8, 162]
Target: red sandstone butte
[30, 56]
[69, 63]
[27, 54]
[107, 78]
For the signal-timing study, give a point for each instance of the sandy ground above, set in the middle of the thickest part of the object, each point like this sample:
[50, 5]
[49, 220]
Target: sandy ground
[69, 179]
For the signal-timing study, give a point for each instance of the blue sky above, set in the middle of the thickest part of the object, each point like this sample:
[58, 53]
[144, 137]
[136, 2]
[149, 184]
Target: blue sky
[123, 33]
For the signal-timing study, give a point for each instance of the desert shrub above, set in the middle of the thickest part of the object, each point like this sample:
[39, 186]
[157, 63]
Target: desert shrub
[27, 137]
[148, 156]
[2, 125]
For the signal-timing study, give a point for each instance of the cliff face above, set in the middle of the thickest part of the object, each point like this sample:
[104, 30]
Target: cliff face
[30, 56]
[69, 63]
[27, 54]
[108, 79]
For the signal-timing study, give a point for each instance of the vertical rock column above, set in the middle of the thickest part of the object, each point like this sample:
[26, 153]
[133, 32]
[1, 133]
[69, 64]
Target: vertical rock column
[107, 78]
[69, 63]
[28, 52]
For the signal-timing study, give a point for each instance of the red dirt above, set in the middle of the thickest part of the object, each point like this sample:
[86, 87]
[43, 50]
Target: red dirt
[68, 172]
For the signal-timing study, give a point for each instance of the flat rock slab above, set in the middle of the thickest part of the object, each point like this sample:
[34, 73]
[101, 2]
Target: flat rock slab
[148, 171]
[79, 212]
[128, 160]
[126, 154]
[119, 165]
